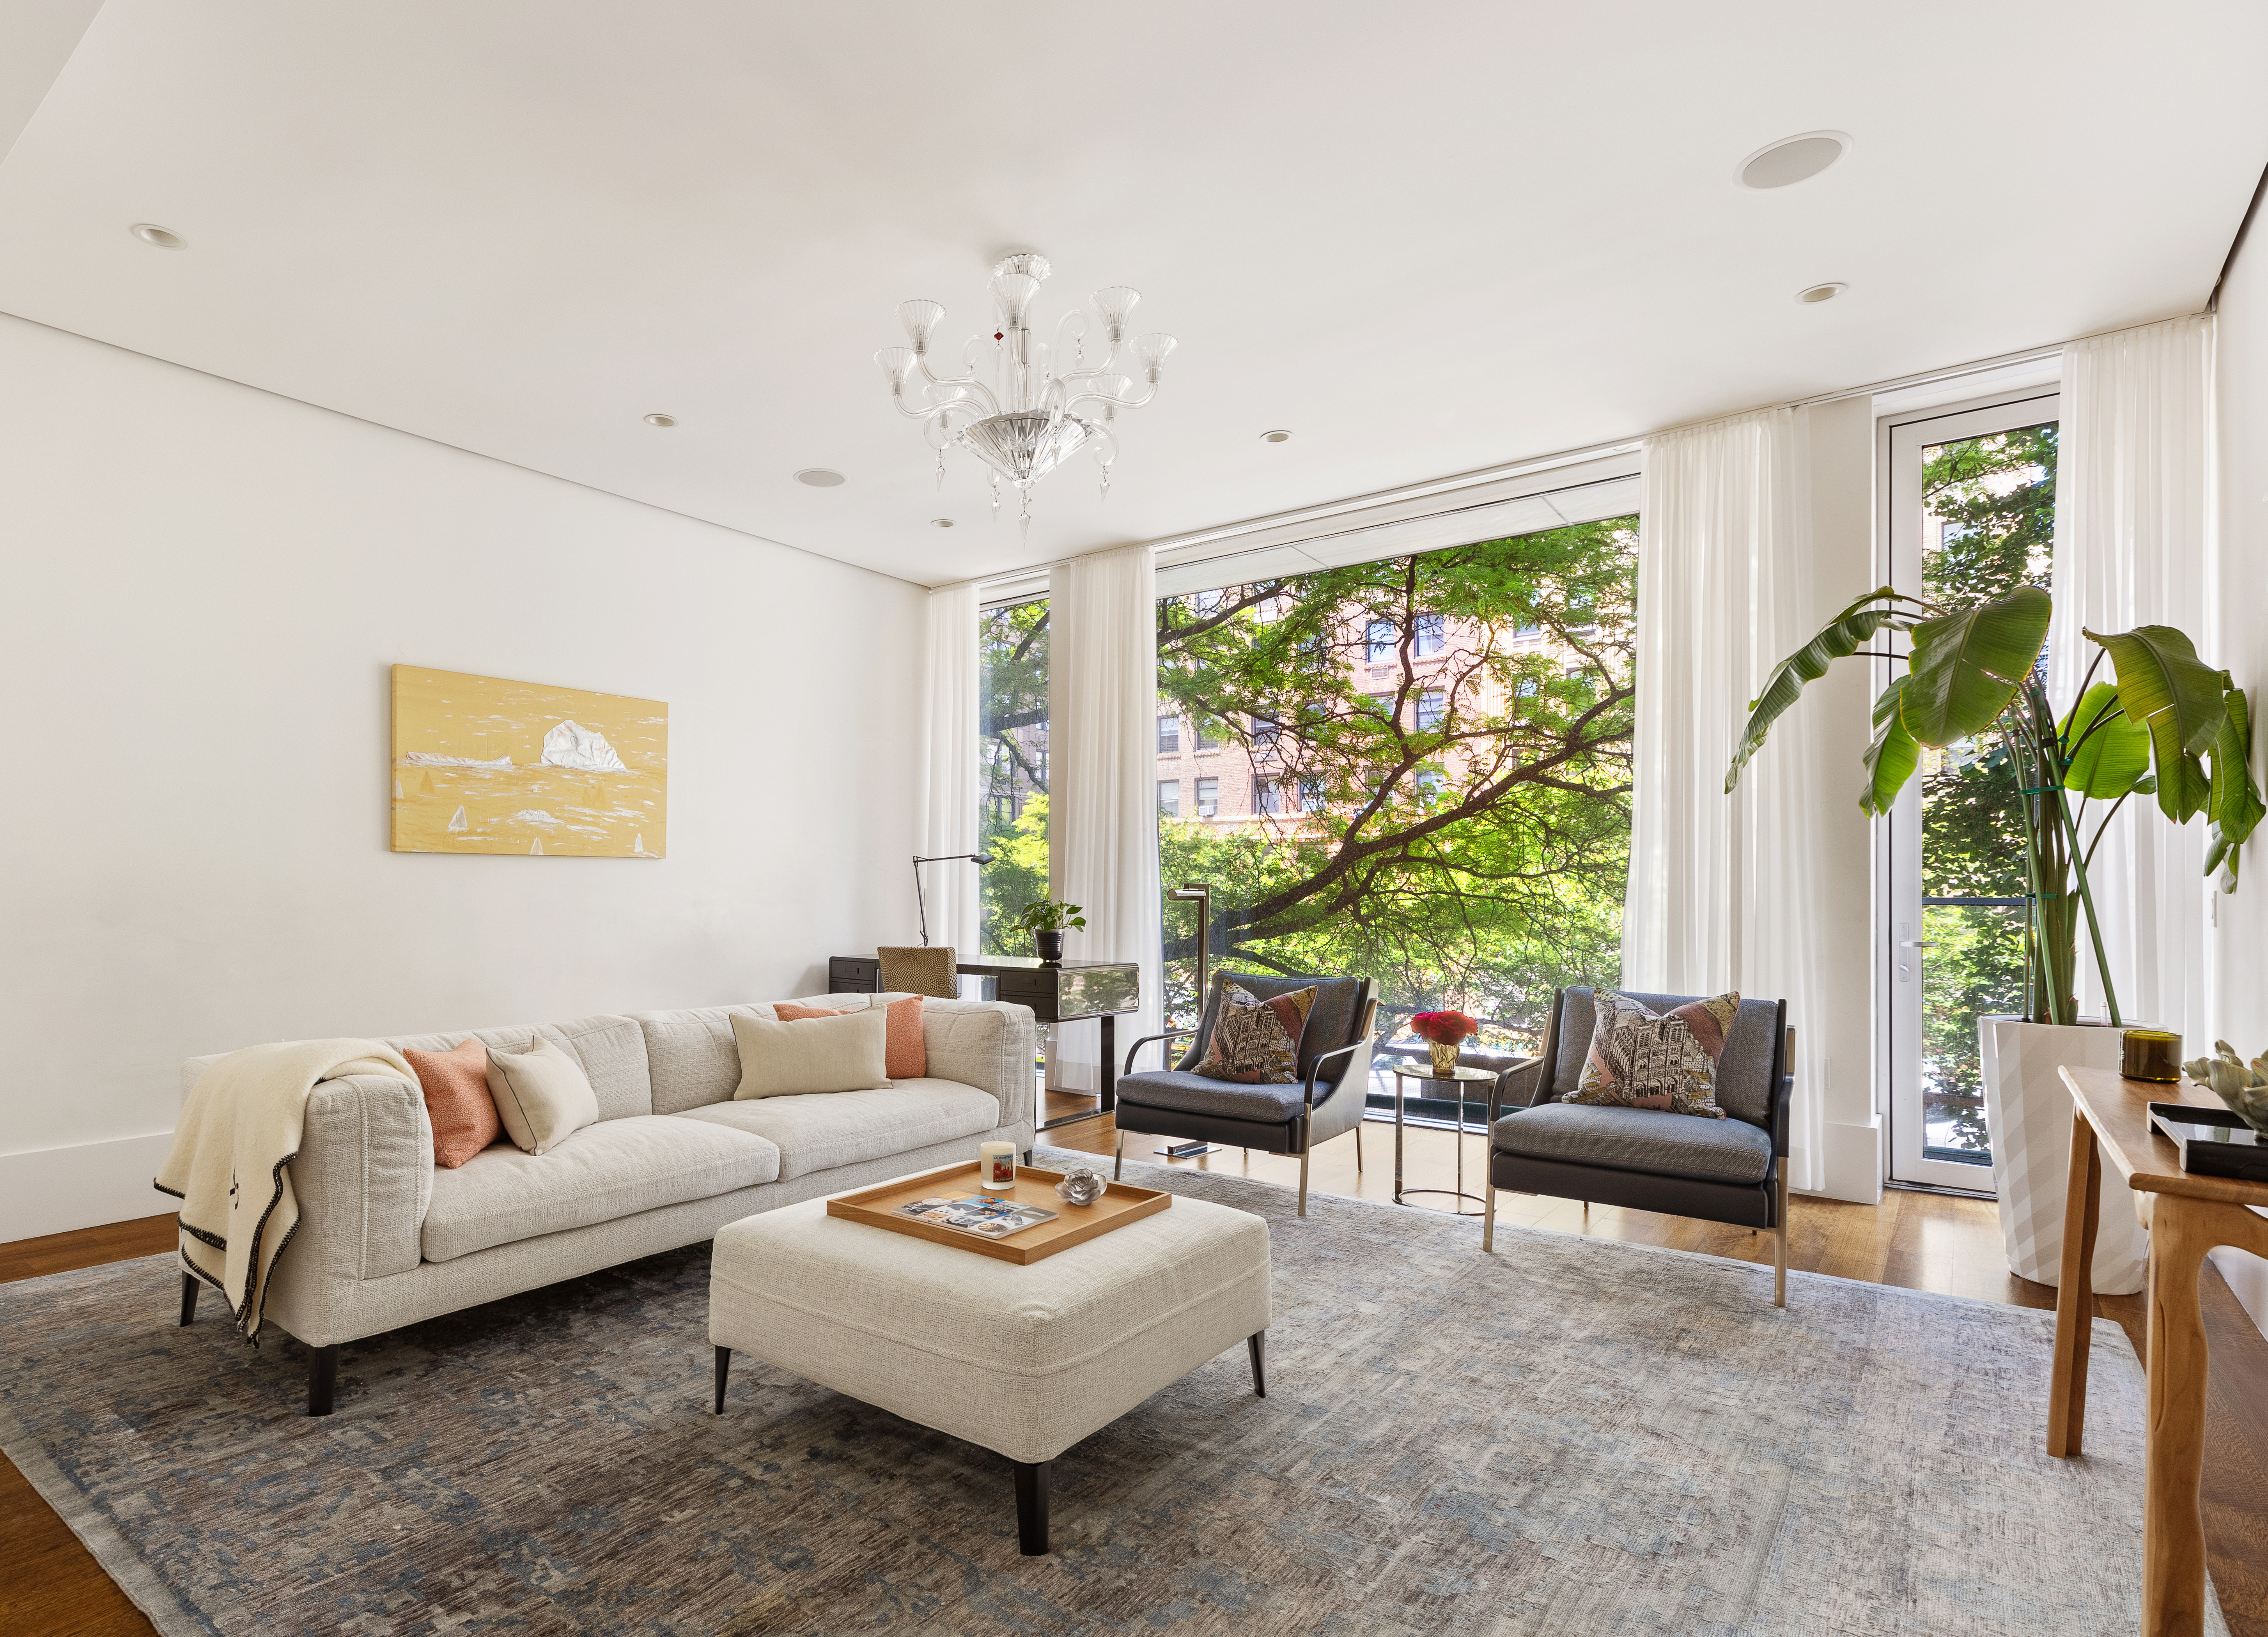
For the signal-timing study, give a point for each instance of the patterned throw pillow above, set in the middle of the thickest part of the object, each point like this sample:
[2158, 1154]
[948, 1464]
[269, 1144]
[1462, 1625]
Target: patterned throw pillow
[1256, 1042]
[1642, 1060]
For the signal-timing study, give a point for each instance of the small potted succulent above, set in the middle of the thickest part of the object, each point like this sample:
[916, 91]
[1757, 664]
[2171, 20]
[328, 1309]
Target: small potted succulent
[1045, 919]
[1443, 1032]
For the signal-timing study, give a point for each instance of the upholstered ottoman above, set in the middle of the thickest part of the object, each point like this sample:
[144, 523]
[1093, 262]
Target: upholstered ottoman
[1025, 1361]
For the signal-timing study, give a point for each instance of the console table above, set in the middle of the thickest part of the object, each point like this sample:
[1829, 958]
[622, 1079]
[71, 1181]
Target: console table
[1057, 992]
[2187, 1217]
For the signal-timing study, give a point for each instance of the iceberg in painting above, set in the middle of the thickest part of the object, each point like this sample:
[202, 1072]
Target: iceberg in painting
[421, 759]
[571, 744]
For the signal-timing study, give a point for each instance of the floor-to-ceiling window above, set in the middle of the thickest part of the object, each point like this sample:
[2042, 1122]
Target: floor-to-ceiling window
[1013, 746]
[1416, 769]
[1972, 496]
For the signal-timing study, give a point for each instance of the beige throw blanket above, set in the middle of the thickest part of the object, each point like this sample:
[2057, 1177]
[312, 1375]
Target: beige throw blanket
[229, 1164]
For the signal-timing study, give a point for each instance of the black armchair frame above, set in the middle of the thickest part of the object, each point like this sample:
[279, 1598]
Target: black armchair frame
[1291, 1136]
[1760, 1205]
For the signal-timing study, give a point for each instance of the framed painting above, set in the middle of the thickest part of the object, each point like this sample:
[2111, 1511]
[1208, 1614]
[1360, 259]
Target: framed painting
[482, 765]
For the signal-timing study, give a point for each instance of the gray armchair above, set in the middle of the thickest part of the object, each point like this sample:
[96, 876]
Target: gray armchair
[1325, 1102]
[1732, 1170]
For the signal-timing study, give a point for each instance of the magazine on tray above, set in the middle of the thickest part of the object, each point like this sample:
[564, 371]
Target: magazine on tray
[986, 1215]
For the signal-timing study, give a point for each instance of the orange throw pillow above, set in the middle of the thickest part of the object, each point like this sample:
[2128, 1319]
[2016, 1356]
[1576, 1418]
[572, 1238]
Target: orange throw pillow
[456, 1086]
[904, 1056]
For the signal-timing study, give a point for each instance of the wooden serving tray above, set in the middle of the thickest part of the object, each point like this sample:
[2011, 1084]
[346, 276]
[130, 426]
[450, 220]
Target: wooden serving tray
[1074, 1225]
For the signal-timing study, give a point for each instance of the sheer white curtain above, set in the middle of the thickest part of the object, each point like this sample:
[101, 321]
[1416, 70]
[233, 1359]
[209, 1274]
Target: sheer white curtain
[1102, 778]
[2133, 545]
[1722, 888]
[950, 794]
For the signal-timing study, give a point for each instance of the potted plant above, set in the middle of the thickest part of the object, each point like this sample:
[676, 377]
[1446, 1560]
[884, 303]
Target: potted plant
[2162, 722]
[1443, 1033]
[1045, 919]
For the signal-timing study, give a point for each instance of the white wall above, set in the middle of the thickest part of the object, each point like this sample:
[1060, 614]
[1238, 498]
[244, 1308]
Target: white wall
[2239, 640]
[205, 587]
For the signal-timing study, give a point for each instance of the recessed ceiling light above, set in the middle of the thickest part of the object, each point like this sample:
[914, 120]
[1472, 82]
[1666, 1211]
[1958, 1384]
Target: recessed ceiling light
[1817, 293]
[1279, 436]
[661, 419]
[150, 233]
[1792, 159]
[819, 477]
[940, 523]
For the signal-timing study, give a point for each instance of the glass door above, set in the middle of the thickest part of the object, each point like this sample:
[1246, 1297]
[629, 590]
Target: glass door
[1972, 498]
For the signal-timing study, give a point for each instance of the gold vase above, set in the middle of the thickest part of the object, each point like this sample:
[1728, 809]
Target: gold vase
[1445, 1059]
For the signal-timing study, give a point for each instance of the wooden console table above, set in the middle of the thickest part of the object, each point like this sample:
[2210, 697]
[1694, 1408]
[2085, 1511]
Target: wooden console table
[1058, 993]
[2187, 1217]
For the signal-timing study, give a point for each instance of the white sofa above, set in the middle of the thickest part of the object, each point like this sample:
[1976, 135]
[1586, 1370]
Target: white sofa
[385, 1238]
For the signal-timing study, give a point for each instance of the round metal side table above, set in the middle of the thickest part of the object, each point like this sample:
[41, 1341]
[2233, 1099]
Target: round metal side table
[1464, 1076]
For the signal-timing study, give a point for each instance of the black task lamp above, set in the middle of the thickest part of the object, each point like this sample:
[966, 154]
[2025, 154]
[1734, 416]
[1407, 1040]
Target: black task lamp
[979, 859]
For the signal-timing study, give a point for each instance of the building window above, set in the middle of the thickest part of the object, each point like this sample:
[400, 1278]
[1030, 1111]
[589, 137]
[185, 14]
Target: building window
[1382, 703]
[1205, 737]
[1432, 705]
[1528, 633]
[1169, 736]
[1267, 737]
[1379, 638]
[1271, 797]
[1311, 795]
[1432, 634]
[1169, 797]
[1206, 603]
[1431, 782]
[1525, 688]
[1208, 798]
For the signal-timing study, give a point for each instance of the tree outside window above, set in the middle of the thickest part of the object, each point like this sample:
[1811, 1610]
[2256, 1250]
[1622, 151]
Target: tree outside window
[1379, 639]
[1431, 635]
[1267, 737]
[1430, 782]
[1432, 706]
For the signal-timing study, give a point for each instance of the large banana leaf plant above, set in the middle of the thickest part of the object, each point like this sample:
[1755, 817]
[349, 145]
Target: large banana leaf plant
[2163, 724]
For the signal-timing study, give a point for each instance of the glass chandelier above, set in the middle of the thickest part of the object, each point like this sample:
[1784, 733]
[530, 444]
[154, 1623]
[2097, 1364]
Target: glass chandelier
[1025, 421]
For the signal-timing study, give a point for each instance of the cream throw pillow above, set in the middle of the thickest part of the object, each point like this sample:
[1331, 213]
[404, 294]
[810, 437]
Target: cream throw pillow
[541, 1096]
[848, 1052]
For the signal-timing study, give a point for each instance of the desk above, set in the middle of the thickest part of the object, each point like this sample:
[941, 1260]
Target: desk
[2187, 1217]
[1058, 993]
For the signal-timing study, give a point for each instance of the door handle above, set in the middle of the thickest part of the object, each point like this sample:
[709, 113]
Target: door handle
[1918, 944]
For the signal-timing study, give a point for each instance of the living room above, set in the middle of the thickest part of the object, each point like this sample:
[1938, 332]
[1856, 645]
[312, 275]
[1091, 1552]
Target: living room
[1571, 695]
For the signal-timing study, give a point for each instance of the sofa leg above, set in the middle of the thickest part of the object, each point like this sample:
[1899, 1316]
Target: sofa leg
[1303, 1182]
[1256, 1345]
[1032, 1507]
[322, 1378]
[1779, 1237]
[1118, 1171]
[724, 1368]
[1487, 1215]
[188, 1298]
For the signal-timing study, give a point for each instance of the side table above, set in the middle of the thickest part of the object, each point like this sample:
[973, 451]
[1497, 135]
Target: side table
[1464, 1077]
[2187, 1217]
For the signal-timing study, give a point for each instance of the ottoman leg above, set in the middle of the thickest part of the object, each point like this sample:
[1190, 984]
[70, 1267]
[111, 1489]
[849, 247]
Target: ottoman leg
[188, 1298]
[322, 1378]
[1257, 1344]
[1032, 1506]
[724, 1368]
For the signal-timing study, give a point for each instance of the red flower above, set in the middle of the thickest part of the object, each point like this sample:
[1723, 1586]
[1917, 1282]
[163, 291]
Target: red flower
[1444, 1028]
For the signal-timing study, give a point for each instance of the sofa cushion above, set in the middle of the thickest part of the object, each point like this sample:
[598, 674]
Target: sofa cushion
[692, 1056]
[610, 1050]
[616, 1168]
[1186, 1092]
[1634, 1139]
[830, 1128]
[840, 1052]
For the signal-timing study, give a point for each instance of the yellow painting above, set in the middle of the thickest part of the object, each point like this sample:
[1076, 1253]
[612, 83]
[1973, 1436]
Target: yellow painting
[485, 766]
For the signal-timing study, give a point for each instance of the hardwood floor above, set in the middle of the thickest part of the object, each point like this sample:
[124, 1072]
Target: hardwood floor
[52, 1588]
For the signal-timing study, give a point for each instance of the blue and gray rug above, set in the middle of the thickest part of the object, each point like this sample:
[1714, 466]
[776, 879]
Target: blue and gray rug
[1570, 1436]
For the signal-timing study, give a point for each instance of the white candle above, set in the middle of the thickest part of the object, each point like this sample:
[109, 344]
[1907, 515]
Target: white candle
[997, 1164]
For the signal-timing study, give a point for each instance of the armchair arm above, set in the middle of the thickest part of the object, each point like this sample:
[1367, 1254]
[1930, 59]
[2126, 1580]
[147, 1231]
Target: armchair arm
[1783, 1084]
[1350, 1072]
[1170, 1034]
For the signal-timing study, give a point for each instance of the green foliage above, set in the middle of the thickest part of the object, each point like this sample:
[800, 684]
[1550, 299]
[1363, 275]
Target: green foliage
[1844, 636]
[2233, 806]
[1050, 915]
[2181, 700]
[1017, 875]
[2110, 750]
[1472, 856]
[1969, 663]
[1893, 756]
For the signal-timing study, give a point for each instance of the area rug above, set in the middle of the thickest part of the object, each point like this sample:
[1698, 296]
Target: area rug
[1568, 1437]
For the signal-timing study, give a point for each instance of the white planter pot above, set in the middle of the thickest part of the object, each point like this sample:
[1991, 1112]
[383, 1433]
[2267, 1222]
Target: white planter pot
[2028, 1109]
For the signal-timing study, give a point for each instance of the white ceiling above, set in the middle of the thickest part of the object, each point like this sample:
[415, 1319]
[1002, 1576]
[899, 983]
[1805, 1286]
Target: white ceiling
[1429, 238]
